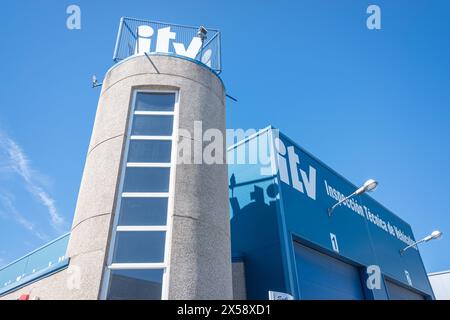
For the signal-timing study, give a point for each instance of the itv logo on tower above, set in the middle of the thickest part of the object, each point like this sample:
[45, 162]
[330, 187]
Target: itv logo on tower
[164, 38]
[138, 36]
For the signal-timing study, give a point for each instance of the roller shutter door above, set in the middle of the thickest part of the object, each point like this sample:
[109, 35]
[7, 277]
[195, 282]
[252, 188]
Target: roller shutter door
[397, 292]
[322, 277]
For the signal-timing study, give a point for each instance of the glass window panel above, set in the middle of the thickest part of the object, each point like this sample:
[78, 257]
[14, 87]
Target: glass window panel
[143, 212]
[145, 125]
[149, 151]
[139, 247]
[149, 101]
[138, 179]
[135, 284]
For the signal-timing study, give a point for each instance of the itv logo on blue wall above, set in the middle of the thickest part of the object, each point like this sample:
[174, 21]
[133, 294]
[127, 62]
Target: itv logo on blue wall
[290, 162]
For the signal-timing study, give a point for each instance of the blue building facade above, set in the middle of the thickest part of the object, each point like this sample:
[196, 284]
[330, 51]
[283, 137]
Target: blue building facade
[281, 229]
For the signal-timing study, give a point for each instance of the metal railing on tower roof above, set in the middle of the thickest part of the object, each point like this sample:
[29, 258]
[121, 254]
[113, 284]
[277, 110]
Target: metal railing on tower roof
[143, 36]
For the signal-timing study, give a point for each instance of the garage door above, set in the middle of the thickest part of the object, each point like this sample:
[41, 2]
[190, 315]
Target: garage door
[321, 277]
[397, 292]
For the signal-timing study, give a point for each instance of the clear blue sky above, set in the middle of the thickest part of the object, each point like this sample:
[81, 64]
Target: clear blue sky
[367, 103]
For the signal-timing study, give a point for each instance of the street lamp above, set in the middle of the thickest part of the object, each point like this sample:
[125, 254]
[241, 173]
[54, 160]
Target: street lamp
[434, 235]
[368, 186]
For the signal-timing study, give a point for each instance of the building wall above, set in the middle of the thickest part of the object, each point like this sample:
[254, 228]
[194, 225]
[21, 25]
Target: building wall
[200, 260]
[255, 222]
[200, 255]
[358, 234]
[440, 282]
[361, 231]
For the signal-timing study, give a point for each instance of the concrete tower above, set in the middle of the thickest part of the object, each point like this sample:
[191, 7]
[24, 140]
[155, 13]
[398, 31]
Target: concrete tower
[145, 226]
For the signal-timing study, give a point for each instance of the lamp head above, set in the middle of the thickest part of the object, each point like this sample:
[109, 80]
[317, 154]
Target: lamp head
[368, 186]
[436, 235]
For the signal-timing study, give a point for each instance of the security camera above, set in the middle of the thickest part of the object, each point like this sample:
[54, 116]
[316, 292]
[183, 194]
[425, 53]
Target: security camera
[202, 32]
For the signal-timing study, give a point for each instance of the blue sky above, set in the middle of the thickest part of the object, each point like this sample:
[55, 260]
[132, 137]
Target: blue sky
[369, 103]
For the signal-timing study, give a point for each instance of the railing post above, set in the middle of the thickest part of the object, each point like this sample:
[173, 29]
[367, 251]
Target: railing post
[119, 35]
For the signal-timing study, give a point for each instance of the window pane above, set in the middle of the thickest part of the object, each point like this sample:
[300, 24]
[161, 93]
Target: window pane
[149, 151]
[139, 247]
[135, 284]
[143, 212]
[144, 125]
[146, 179]
[146, 101]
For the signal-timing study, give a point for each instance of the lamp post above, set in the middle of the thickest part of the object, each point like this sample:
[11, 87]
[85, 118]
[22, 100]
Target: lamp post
[434, 235]
[368, 186]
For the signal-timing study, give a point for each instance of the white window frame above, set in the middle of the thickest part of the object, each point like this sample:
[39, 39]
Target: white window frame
[165, 266]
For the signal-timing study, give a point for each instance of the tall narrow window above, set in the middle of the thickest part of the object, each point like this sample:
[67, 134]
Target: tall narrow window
[137, 259]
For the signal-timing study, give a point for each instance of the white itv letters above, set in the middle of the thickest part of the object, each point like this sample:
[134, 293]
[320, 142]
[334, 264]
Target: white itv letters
[303, 182]
[144, 41]
[163, 40]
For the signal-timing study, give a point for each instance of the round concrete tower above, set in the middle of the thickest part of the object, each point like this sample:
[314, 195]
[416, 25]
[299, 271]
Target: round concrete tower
[147, 226]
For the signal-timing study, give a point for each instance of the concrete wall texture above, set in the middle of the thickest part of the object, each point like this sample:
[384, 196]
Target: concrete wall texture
[239, 288]
[200, 257]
